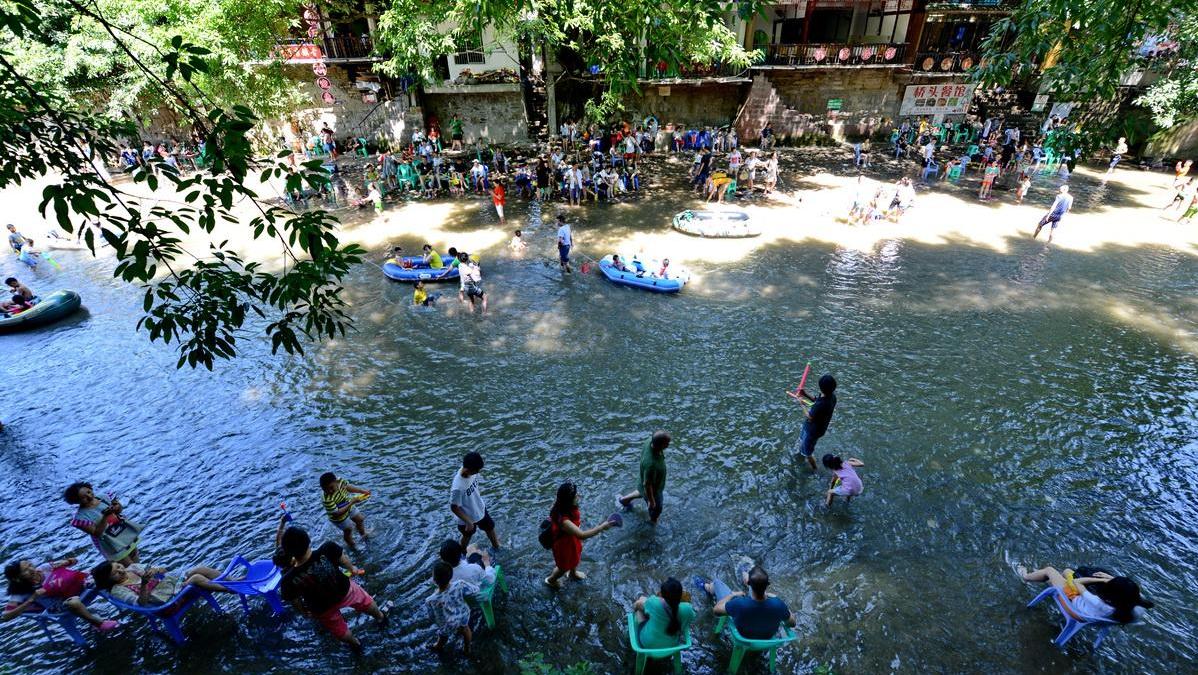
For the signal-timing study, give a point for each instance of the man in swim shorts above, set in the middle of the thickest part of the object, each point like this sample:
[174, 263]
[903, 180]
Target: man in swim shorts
[819, 416]
[1060, 206]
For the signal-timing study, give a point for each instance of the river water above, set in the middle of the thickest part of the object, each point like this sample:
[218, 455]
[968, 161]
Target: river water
[1019, 408]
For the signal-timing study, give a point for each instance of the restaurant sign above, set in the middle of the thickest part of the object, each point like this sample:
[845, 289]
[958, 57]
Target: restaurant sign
[936, 99]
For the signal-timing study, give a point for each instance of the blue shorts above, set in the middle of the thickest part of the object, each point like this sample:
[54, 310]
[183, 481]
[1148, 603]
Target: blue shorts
[563, 253]
[807, 442]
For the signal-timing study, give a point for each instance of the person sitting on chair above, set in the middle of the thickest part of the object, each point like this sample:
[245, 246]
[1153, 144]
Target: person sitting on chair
[1095, 592]
[33, 587]
[756, 615]
[137, 585]
[663, 620]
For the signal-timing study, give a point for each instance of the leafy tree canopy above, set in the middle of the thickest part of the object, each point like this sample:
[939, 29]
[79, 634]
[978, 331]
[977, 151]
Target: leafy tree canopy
[618, 37]
[89, 56]
[202, 301]
[1092, 45]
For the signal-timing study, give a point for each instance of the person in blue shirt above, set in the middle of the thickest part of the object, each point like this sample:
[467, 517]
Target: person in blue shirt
[757, 614]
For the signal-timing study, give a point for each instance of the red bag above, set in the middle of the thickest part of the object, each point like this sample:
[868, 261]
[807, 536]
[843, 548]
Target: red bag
[63, 583]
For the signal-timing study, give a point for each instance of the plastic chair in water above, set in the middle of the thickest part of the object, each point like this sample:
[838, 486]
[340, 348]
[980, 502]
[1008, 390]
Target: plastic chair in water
[58, 614]
[1074, 619]
[643, 654]
[487, 593]
[260, 578]
[933, 169]
[742, 645]
[1052, 163]
[165, 618]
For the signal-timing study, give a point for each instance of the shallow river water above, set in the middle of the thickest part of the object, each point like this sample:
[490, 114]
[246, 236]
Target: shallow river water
[1013, 409]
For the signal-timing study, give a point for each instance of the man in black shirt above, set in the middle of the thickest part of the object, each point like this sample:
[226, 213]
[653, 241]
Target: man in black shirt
[819, 415]
[318, 587]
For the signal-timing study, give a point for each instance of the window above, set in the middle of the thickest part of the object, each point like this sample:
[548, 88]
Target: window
[830, 25]
[470, 50]
[790, 31]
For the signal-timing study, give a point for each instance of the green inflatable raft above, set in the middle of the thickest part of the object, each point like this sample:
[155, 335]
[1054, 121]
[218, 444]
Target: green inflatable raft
[46, 310]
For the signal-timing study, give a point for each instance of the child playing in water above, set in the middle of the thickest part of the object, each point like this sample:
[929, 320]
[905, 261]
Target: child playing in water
[1025, 183]
[339, 506]
[846, 482]
[517, 243]
[376, 197]
[52, 585]
[448, 606]
[420, 297]
[988, 177]
[316, 586]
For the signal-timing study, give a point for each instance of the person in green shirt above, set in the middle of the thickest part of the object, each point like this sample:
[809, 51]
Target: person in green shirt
[432, 258]
[653, 476]
[455, 132]
[663, 620]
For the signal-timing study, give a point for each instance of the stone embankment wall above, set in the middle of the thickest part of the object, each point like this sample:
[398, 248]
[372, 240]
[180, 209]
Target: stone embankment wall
[494, 112]
[694, 105]
[795, 102]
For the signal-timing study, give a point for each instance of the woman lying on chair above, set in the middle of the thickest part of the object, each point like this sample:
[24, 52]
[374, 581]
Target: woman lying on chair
[136, 585]
[1095, 592]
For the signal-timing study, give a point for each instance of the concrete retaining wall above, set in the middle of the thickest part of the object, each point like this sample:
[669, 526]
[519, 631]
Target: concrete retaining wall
[495, 115]
[796, 101]
[693, 105]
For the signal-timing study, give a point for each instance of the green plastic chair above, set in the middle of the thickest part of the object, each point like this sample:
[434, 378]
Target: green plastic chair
[963, 134]
[742, 645]
[643, 654]
[362, 150]
[730, 191]
[973, 150]
[955, 172]
[407, 176]
[1052, 163]
[487, 593]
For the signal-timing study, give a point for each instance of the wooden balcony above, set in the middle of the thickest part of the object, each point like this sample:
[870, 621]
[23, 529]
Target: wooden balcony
[833, 55]
[945, 62]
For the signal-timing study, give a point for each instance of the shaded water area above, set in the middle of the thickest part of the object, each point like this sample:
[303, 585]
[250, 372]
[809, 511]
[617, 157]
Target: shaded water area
[1026, 408]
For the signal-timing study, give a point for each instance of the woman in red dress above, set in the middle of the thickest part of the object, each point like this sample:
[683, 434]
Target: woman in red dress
[568, 535]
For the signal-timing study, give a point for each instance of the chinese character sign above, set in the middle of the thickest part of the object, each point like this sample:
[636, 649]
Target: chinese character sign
[937, 99]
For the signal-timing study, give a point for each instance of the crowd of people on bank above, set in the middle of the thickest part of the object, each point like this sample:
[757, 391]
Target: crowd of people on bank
[319, 580]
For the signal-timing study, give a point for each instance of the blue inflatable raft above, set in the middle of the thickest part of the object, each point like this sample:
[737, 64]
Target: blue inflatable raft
[46, 310]
[642, 274]
[418, 271]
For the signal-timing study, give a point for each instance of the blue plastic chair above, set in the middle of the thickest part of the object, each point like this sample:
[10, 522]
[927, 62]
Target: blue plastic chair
[933, 169]
[56, 613]
[260, 578]
[165, 618]
[643, 654]
[742, 645]
[1074, 619]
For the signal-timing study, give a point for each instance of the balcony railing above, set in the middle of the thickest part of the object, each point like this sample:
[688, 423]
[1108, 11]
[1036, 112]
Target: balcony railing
[945, 61]
[665, 71]
[339, 47]
[827, 55]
